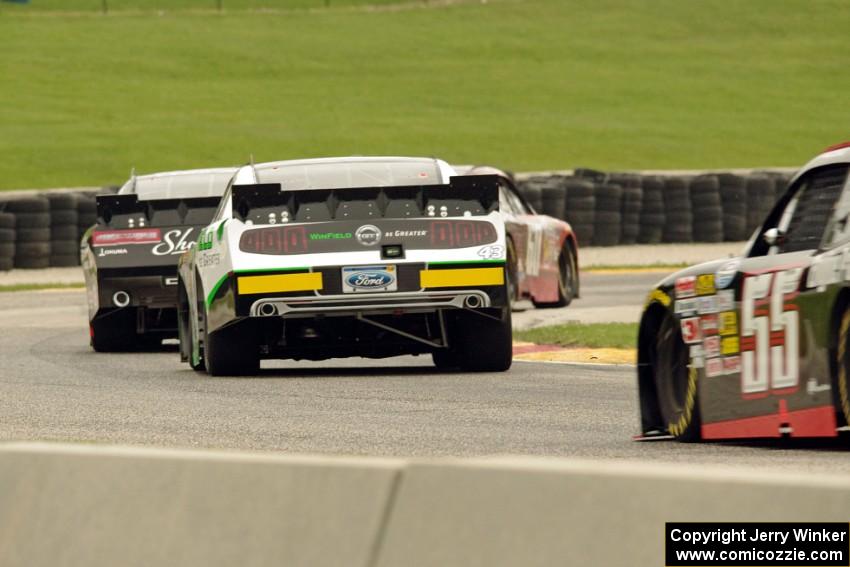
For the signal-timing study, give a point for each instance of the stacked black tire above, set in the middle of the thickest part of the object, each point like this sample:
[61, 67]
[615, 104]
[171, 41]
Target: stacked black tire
[608, 220]
[580, 207]
[705, 198]
[631, 205]
[652, 217]
[86, 213]
[733, 199]
[678, 213]
[32, 231]
[7, 240]
[553, 197]
[761, 195]
[64, 230]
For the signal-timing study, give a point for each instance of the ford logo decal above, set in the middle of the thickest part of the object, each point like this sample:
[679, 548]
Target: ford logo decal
[370, 279]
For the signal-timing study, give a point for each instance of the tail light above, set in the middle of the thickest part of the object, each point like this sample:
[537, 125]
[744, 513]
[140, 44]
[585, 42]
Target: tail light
[275, 240]
[448, 234]
[125, 237]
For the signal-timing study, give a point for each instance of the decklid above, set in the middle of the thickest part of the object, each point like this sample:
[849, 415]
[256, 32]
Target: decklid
[131, 232]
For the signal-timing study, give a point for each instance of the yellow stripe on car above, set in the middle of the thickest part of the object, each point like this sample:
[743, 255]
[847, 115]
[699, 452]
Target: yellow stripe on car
[279, 283]
[461, 277]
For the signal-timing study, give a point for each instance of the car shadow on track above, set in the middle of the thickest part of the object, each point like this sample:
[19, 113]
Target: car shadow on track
[840, 444]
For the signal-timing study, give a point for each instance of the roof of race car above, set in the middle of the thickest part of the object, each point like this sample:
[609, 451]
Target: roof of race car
[209, 182]
[344, 172]
[839, 153]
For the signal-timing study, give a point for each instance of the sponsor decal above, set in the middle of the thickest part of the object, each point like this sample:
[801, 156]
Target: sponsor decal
[125, 237]
[685, 306]
[726, 300]
[705, 284]
[207, 260]
[709, 324]
[369, 278]
[711, 345]
[691, 331]
[732, 365]
[169, 281]
[330, 235]
[112, 252]
[729, 345]
[491, 252]
[713, 367]
[726, 273]
[813, 387]
[697, 362]
[660, 297]
[728, 323]
[368, 235]
[696, 351]
[405, 233]
[176, 242]
[686, 287]
[707, 304]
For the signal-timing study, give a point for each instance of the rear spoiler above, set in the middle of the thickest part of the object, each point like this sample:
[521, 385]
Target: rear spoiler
[120, 211]
[269, 203]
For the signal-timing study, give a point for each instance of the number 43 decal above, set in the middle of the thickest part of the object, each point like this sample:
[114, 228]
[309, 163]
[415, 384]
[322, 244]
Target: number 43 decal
[770, 334]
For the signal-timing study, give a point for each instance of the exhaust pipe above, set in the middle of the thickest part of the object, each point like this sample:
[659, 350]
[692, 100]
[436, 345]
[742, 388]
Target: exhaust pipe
[121, 299]
[268, 310]
[473, 301]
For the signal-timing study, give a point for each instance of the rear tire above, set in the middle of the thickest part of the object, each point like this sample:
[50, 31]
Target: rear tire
[844, 366]
[675, 381]
[232, 350]
[115, 332]
[567, 280]
[486, 345]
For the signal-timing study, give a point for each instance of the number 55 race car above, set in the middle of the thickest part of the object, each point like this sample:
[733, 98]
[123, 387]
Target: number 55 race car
[758, 346]
[130, 256]
[338, 257]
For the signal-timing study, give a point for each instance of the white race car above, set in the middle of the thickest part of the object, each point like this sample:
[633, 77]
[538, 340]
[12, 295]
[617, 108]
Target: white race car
[336, 257]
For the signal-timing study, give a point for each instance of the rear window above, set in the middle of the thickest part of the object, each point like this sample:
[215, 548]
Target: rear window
[184, 185]
[342, 175]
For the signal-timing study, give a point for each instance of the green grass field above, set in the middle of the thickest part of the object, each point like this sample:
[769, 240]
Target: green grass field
[526, 85]
[594, 335]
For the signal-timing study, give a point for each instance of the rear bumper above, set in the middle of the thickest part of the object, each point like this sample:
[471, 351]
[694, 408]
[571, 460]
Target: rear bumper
[154, 291]
[373, 304]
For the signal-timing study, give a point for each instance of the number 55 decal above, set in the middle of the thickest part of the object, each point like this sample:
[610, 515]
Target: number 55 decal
[770, 334]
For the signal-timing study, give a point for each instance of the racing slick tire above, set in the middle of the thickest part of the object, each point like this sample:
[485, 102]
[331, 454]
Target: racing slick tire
[843, 356]
[115, 332]
[232, 350]
[567, 280]
[478, 343]
[511, 274]
[675, 381]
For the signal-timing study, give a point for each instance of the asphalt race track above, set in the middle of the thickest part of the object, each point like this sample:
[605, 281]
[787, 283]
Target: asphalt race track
[53, 387]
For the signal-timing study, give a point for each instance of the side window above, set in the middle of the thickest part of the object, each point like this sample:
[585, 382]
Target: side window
[808, 221]
[516, 202]
[505, 203]
[222, 205]
[838, 229]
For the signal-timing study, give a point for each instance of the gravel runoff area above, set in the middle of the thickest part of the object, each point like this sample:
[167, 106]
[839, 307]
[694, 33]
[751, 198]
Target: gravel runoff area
[589, 257]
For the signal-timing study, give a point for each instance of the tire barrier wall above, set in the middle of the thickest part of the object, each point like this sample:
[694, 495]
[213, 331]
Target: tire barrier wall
[43, 229]
[611, 208]
[92, 506]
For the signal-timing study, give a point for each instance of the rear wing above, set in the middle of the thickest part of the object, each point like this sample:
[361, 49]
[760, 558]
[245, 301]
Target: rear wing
[128, 211]
[269, 203]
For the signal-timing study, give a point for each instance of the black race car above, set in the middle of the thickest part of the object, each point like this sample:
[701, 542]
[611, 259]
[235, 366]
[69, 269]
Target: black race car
[130, 256]
[759, 345]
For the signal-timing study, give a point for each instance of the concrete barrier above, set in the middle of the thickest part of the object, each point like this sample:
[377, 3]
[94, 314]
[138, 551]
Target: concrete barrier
[100, 506]
[96, 506]
[533, 512]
